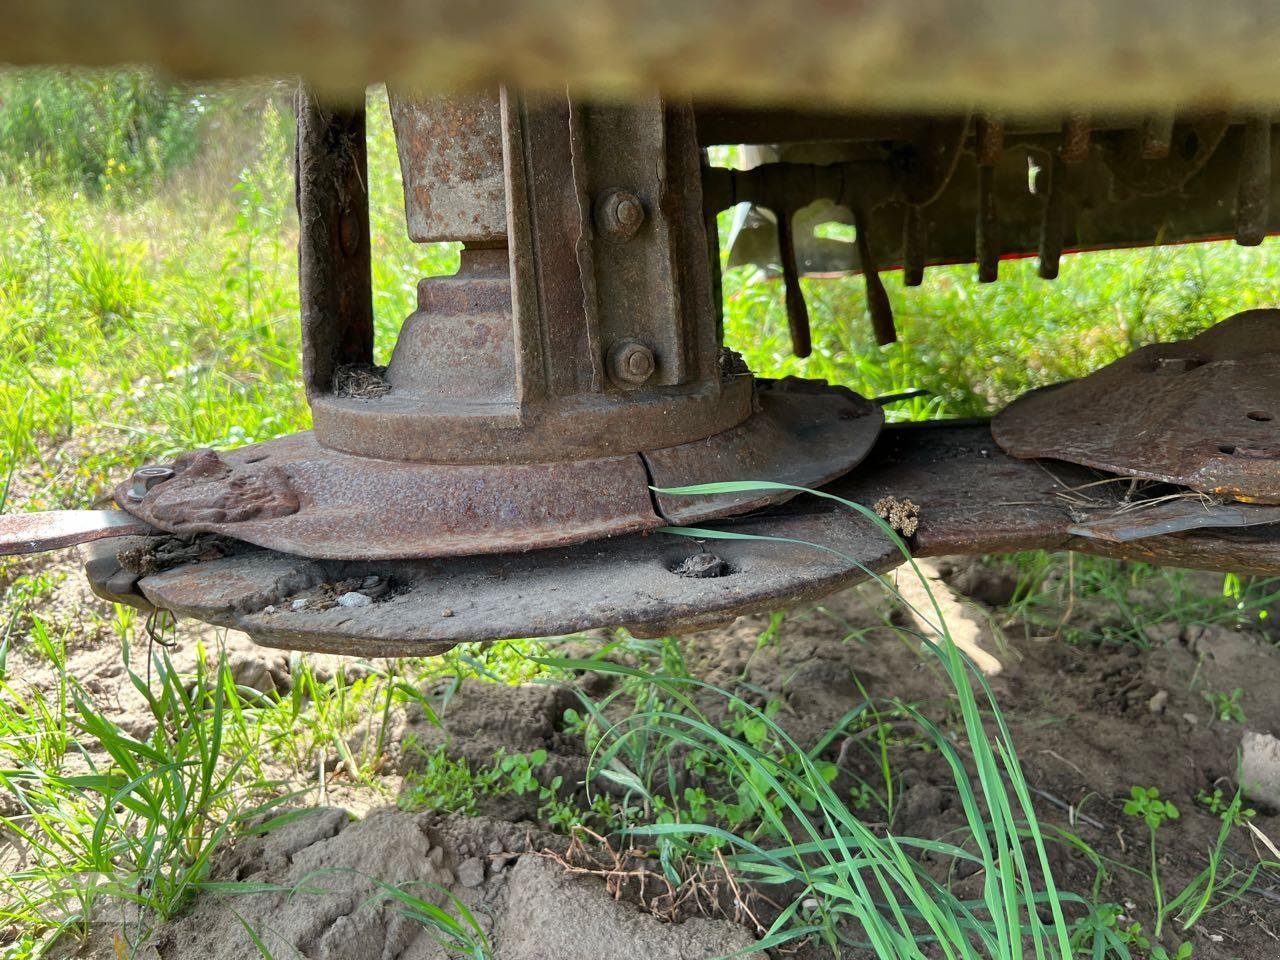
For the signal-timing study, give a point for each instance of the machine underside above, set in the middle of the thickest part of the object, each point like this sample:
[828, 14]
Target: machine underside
[510, 471]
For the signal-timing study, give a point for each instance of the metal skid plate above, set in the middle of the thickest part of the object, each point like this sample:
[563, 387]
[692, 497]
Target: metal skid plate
[972, 498]
[293, 495]
[1201, 413]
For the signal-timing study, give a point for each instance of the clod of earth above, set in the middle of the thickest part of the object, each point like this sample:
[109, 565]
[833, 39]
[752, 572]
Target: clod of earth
[902, 515]
[1260, 768]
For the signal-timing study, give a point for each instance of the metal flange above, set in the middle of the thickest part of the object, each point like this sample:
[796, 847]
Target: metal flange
[295, 496]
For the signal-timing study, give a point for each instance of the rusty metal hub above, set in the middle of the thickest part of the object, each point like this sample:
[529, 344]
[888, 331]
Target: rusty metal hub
[1201, 413]
[299, 497]
[533, 397]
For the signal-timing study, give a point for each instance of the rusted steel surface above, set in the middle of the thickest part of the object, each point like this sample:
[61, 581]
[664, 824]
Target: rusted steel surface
[1253, 196]
[1210, 177]
[450, 152]
[1138, 521]
[457, 347]
[349, 507]
[296, 496]
[334, 278]
[805, 440]
[972, 498]
[514, 360]
[1010, 53]
[797, 309]
[22, 533]
[625, 580]
[1201, 413]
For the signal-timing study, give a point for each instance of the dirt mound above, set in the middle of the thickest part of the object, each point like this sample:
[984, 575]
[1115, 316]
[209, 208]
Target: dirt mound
[327, 906]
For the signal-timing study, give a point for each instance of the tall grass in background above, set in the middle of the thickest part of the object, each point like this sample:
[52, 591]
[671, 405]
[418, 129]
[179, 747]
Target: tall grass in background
[148, 302]
[111, 132]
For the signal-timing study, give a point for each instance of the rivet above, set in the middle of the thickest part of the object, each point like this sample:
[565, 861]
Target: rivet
[630, 362]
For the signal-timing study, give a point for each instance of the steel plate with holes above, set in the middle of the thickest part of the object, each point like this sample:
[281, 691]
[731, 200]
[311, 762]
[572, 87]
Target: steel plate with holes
[1201, 413]
[972, 498]
[295, 496]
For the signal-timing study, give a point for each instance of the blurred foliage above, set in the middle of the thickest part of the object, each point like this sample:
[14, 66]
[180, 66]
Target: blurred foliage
[113, 132]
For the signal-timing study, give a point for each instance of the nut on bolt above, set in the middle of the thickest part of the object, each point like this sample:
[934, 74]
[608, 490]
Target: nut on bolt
[619, 214]
[630, 362]
[144, 478]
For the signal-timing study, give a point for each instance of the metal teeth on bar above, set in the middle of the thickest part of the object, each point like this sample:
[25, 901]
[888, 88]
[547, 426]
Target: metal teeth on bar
[1053, 220]
[878, 305]
[990, 149]
[987, 240]
[990, 141]
[1076, 137]
[914, 243]
[797, 310]
[1253, 193]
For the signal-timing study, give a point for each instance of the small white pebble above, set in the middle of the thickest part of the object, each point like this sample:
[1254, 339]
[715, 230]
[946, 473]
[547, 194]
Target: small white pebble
[299, 604]
[354, 599]
[269, 609]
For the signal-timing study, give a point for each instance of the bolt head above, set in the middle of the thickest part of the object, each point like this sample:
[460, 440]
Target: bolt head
[630, 362]
[144, 478]
[619, 214]
[628, 210]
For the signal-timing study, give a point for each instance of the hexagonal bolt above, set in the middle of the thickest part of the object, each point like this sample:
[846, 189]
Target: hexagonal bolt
[144, 478]
[619, 214]
[630, 362]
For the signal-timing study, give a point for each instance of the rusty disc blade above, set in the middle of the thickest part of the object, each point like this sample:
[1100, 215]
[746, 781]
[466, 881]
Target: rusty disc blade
[1202, 413]
[972, 498]
[298, 497]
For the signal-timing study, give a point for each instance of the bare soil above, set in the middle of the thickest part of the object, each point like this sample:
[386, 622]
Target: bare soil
[1089, 722]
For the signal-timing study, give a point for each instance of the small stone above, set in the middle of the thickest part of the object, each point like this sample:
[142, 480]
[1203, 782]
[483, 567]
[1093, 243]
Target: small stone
[354, 599]
[701, 566]
[470, 872]
[252, 672]
[495, 846]
[269, 608]
[1260, 767]
[1158, 702]
[299, 604]
[371, 582]
[436, 856]
[1191, 718]
[446, 612]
